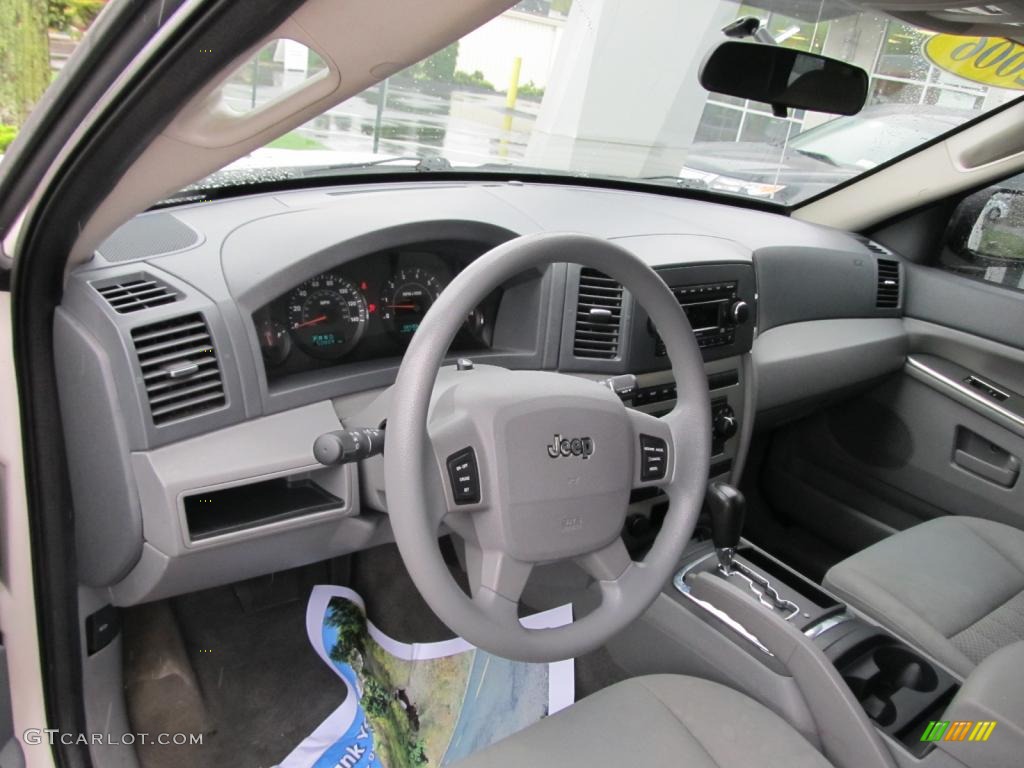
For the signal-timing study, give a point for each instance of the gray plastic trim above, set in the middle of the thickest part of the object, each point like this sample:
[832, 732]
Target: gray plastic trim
[157, 576]
[803, 360]
[261, 449]
[275, 446]
[103, 681]
[798, 283]
[108, 520]
[962, 303]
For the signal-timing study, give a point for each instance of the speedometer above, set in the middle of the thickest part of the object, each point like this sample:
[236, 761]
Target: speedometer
[327, 316]
[406, 297]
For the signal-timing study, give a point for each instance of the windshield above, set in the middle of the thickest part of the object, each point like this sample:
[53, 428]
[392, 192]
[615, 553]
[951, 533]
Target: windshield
[583, 88]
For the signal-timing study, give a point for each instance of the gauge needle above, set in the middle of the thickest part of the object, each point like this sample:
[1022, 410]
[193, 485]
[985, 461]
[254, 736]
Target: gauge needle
[402, 306]
[314, 321]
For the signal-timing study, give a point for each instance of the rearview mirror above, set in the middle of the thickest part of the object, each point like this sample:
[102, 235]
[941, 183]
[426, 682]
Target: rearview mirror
[785, 78]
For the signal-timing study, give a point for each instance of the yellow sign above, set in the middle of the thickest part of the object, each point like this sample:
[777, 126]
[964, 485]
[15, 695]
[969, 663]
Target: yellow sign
[987, 60]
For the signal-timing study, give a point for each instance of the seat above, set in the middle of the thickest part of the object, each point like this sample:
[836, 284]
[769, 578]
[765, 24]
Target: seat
[659, 720]
[953, 586]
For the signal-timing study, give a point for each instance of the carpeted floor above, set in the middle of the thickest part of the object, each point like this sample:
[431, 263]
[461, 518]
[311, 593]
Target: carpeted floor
[263, 687]
[235, 661]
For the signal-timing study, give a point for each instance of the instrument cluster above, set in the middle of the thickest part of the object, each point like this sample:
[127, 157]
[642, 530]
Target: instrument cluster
[365, 309]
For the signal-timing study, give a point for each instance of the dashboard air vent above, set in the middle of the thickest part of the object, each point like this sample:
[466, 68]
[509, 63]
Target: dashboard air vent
[179, 368]
[135, 293]
[598, 316]
[888, 284]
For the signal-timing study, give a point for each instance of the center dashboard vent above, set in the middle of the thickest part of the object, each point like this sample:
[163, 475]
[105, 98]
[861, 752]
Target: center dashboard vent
[137, 292]
[179, 368]
[598, 316]
[888, 295]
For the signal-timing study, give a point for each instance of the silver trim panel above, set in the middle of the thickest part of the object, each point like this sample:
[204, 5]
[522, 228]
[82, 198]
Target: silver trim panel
[679, 582]
[949, 377]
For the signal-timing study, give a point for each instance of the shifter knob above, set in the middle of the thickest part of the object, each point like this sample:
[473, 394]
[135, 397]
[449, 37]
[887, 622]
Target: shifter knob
[728, 507]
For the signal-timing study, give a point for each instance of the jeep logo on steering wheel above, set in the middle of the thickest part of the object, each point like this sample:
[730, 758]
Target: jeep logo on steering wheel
[571, 446]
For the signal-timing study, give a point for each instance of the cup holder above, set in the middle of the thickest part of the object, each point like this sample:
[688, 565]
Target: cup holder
[882, 678]
[875, 699]
[901, 668]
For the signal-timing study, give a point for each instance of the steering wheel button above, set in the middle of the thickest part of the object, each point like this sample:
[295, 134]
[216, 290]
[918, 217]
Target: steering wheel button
[464, 476]
[653, 451]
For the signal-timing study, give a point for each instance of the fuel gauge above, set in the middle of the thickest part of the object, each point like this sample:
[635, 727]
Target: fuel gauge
[275, 341]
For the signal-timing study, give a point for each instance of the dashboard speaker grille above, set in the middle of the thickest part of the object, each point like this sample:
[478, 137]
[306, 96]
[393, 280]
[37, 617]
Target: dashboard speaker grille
[143, 237]
[179, 368]
[598, 316]
[888, 284]
[135, 293]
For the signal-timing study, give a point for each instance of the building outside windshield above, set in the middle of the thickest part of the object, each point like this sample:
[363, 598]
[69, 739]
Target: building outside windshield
[601, 88]
[608, 88]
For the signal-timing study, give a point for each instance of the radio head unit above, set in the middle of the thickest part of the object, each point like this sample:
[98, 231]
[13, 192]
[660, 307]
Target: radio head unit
[719, 300]
[714, 311]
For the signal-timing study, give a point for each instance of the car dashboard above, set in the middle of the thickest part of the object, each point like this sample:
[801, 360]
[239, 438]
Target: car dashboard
[205, 348]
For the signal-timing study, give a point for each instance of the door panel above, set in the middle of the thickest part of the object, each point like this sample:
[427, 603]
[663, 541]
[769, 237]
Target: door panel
[924, 442]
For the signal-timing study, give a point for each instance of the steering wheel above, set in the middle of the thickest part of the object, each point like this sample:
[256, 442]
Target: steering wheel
[555, 458]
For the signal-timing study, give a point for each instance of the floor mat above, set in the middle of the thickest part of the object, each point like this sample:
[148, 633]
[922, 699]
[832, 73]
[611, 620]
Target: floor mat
[411, 705]
[263, 686]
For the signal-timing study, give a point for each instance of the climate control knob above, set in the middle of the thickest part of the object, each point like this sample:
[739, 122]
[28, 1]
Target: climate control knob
[739, 312]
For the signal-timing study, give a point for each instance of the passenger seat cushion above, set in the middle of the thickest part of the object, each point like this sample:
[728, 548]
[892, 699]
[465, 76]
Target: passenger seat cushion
[954, 586]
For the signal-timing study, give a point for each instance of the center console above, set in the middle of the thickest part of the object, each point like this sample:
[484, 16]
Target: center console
[898, 688]
[736, 615]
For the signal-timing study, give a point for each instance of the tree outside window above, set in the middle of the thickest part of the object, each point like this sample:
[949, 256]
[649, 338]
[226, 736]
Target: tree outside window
[36, 37]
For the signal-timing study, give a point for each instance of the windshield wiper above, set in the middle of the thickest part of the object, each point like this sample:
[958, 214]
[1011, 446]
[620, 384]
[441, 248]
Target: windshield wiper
[677, 181]
[423, 164]
[816, 156]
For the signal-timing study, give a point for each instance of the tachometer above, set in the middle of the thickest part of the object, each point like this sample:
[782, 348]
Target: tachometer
[327, 316]
[406, 297]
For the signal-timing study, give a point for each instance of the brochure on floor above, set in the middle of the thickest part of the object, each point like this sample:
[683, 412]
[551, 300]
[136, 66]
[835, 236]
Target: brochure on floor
[420, 704]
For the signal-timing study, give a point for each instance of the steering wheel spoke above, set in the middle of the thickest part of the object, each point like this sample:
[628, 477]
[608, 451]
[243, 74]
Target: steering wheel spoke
[652, 441]
[496, 581]
[608, 563]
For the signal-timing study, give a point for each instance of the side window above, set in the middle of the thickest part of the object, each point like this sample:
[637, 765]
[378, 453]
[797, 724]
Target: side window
[278, 68]
[985, 238]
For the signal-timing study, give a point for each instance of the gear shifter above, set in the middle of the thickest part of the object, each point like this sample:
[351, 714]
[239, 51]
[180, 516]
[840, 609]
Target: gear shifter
[728, 507]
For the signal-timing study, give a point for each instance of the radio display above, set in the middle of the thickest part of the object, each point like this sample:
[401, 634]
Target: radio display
[702, 316]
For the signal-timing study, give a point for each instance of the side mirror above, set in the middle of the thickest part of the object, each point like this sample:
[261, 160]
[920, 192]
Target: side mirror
[989, 226]
[785, 78]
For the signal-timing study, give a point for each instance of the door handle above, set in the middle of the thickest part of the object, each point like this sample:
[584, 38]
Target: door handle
[1005, 473]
